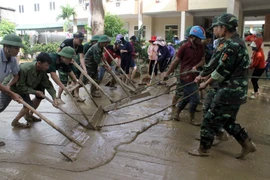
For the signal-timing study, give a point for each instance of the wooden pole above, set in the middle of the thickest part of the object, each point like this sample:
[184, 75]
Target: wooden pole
[50, 123]
[92, 81]
[122, 71]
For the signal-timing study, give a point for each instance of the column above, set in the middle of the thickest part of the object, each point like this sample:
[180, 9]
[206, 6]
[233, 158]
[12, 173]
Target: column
[266, 34]
[183, 25]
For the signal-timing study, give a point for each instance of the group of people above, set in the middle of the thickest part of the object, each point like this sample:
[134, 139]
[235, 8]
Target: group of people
[160, 56]
[226, 74]
[19, 81]
[225, 71]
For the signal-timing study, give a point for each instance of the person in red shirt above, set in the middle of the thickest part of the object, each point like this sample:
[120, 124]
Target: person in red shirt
[258, 63]
[115, 53]
[191, 57]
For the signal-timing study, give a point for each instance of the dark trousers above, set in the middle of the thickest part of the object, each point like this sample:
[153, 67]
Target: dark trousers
[258, 73]
[217, 117]
[193, 100]
[152, 64]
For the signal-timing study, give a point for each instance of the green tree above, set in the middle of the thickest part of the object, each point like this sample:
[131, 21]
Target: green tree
[113, 25]
[6, 27]
[66, 13]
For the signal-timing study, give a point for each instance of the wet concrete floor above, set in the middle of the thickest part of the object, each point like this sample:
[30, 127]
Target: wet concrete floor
[152, 148]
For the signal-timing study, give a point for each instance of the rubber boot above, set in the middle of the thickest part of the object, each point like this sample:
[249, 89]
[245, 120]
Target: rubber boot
[193, 120]
[175, 114]
[221, 137]
[199, 152]
[112, 84]
[247, 147]
[94, 92]
[175, 99]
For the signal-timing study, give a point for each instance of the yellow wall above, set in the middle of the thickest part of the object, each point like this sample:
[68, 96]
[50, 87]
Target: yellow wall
[156, 26]
[162, 6]
[207, 4]
[147, 21]
[126, 7]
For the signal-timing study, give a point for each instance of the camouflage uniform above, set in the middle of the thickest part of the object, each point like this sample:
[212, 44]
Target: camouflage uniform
[232, 76]
[93, 59]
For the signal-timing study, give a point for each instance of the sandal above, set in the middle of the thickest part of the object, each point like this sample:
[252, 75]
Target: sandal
[20, 125]
[2, 143]
[32, 119]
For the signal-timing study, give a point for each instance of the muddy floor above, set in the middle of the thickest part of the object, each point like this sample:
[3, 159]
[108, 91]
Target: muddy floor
[151, 148]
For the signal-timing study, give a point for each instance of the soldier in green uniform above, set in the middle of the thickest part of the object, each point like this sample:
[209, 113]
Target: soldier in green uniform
[62, 61]
[232, 76]
[213, 87]
[92, 42]
[76, 44]
[93, 60]
[33, 79]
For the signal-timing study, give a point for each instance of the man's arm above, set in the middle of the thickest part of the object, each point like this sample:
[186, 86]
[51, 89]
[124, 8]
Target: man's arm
[14, 96]
[48, 85]
[174, 64]
[82, 61]
[200, 64]
[57, 80]
[13, 80]
[21, 84]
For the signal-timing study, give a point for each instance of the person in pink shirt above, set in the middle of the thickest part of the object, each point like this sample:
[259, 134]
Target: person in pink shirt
[152, 55]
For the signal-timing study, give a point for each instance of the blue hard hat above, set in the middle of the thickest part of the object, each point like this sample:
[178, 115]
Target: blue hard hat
[197, 31]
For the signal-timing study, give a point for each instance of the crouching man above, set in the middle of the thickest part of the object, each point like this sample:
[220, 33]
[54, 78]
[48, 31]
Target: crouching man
[33, 79]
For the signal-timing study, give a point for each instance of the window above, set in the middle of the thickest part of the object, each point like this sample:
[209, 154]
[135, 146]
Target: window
[36, 7]
[136, 31]
[81, 1]
[52, 5]
[21, 9]
[170, 31]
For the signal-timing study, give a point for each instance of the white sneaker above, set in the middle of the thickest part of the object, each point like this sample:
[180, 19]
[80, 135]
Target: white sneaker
[252, 97]
[252, 93]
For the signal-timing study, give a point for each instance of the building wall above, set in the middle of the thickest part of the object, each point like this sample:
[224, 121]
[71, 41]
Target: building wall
[206, 4]
[7, 15]
[121, 7]
[159, 6]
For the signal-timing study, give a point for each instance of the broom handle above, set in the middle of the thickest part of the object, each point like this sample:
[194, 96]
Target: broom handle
[92, 81]
[50, 123]
[122, 71]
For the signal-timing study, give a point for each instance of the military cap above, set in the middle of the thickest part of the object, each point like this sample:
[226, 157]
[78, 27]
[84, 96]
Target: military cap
[188, 30]
[67, 52]
[95, 38]
[104, 38]
[214, 22]
[228, 20]
[12, 40]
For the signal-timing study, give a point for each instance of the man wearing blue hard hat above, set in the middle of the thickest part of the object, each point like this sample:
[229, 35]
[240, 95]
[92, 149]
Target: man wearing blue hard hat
[191, 56]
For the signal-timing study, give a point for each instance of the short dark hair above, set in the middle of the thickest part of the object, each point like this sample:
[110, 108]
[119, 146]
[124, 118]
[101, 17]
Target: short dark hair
[231, 30]
[44, 57]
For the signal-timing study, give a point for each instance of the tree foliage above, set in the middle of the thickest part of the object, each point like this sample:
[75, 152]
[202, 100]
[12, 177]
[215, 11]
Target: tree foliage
[113, 25]
[66, 13]
[6, 27]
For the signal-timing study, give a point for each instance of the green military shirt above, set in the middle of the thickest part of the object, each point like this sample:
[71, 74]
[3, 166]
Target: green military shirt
[93, 57]
[57, 64]
[214, 61]
[30, 79]
[232, 72]
[86, 46]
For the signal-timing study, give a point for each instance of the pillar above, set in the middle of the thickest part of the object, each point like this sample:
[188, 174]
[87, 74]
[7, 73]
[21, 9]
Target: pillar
[266, 33]
[183, 25]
